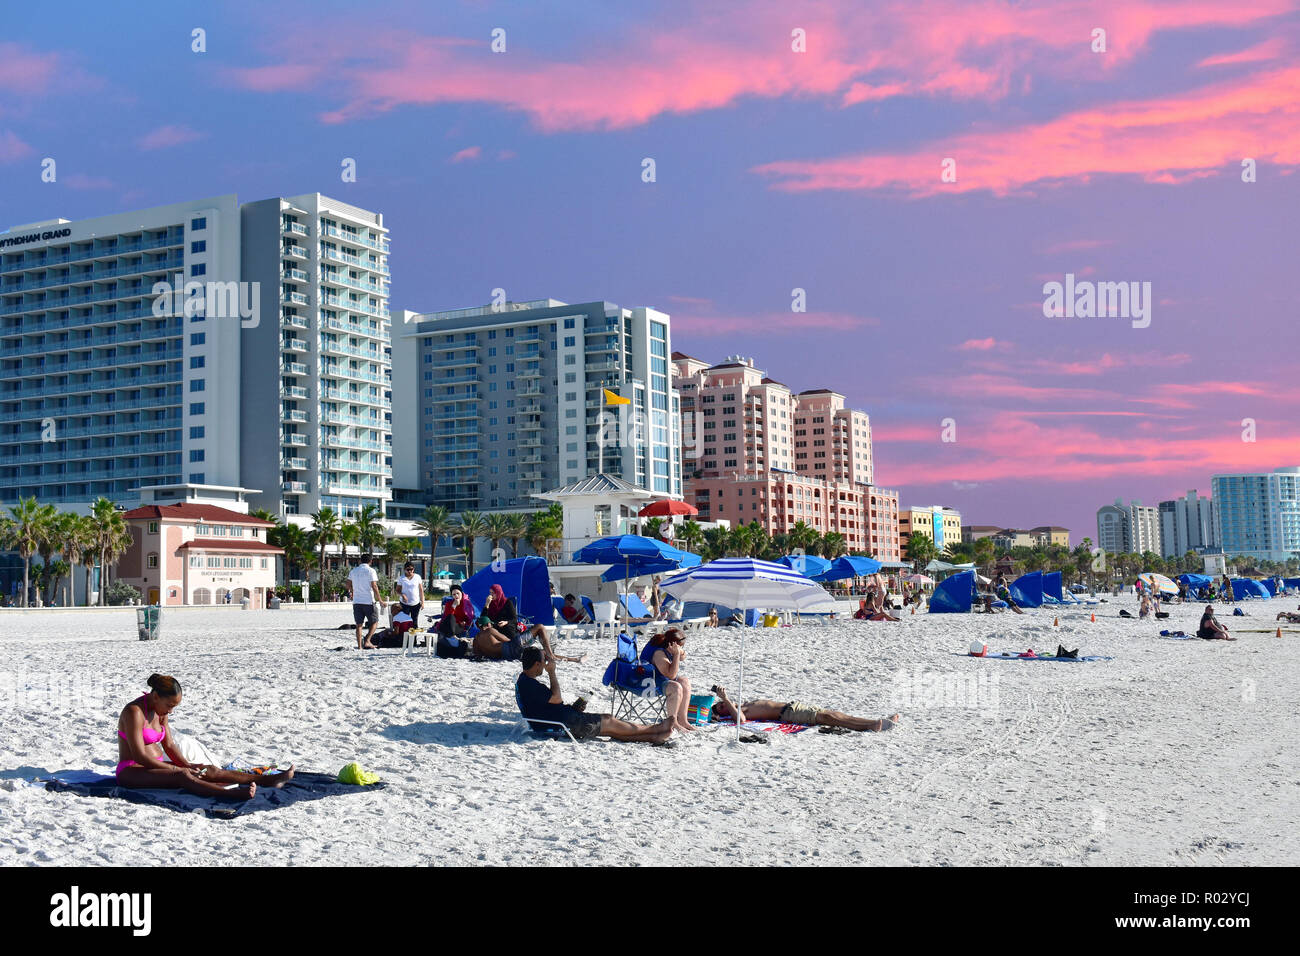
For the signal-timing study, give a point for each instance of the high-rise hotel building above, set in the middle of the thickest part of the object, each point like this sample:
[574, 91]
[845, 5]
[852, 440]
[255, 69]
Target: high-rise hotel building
[317, 400]
[99, 393]
[1258, 513]
[504, 401]
[114, 376]
[755, 451]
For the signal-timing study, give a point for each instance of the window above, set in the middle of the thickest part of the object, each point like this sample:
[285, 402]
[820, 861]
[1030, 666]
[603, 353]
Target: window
[196, 431]
[198, 338]
[196, 385]
[569, 341]
[197, 224]
[200, 246]
[196, 454]
[153, 527]
[152, 561]
[196, 361]
[198, 478]
[196, 408]
[568, 323]
[198, 269]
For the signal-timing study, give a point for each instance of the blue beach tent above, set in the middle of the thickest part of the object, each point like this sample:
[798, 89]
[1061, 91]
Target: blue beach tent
[525, 580]
[1245, 587]
[1052, 587]
[1027, 590]
[954, 595]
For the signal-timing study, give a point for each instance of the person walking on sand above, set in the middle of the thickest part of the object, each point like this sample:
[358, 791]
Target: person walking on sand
[148, 758]
[363, 588]
[796, 712]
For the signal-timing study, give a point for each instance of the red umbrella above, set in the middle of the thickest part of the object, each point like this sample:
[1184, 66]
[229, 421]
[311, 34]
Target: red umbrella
[667, 507]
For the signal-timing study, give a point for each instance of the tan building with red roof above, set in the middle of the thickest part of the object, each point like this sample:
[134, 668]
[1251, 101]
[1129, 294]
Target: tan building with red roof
[188, 553]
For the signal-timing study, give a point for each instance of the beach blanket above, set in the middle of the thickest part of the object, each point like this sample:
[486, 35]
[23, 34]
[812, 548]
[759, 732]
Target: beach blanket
[1013, 657]
[303, 787]
[765, 726]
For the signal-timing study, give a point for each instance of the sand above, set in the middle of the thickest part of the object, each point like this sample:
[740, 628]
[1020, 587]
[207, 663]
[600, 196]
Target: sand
[1175, 752]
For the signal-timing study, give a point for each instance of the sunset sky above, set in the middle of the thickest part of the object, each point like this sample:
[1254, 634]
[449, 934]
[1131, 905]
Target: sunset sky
[775, 170]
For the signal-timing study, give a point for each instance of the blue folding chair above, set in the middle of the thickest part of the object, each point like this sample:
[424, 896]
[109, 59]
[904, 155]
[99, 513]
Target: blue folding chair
[635, 691]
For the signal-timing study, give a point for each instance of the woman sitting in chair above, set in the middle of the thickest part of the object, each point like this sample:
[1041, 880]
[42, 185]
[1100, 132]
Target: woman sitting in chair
[666, 653]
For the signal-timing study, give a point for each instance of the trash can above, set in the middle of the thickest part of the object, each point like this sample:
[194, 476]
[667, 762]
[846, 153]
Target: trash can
[148, 621]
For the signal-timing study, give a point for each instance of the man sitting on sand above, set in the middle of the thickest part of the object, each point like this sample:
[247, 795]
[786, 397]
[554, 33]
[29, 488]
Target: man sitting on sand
[539, 702]
[1210, 629]
[795, 712]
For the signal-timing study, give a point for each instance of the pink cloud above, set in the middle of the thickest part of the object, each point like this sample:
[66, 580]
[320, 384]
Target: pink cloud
[772, 323]
[84, 181]
[467, 154]
[981, 345]
[28, 76]
[709, 59]
[166, 136]
[1173, 140]
[1270, 49]
[12, 148]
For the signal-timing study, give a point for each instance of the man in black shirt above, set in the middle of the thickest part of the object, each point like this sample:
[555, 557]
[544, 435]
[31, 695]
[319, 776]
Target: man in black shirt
[538, 702]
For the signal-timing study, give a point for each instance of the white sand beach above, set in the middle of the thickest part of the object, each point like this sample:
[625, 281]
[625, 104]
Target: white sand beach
[1175, 752]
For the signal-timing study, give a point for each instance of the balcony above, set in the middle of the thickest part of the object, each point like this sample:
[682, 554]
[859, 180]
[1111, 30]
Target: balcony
[294, 275]
[298, 441]
[293, 298]
[296, 228]
[293, 464]
[294, 252]
[292, 322]
[295, 368]
[293, 415]
[294, 345]
[295, 487]
[293, 391]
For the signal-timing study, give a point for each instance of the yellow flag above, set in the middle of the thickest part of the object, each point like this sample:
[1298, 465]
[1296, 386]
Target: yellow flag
[612, 398]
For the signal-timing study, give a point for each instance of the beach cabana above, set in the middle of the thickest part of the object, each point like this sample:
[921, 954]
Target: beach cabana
[1291, 582]
[525, 580]
[1052, 587]
[955, 595]
[1027, 590]
[1245, 587]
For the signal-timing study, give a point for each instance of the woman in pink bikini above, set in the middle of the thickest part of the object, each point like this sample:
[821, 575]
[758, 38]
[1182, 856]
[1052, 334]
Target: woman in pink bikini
[148, 758]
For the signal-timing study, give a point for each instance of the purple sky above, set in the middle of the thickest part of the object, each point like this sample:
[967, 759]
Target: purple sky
[775, 170]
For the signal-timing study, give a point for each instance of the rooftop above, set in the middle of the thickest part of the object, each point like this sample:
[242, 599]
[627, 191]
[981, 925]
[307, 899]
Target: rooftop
[186, 511]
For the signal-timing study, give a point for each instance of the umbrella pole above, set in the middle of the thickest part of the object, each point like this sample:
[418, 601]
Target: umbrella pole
[740, 687]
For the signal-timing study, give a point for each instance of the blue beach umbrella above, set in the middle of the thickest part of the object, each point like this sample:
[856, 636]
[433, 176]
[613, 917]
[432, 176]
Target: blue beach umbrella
[849, 566]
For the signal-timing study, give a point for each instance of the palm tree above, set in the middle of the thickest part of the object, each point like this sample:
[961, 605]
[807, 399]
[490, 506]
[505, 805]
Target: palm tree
[834, 545]
[299, 548]
[111, 538]
[920, 550]
[26, 532]
[63, 535]
[984, 552]
[325, 525]
[691, 534]
[517, 530]
[436, 523]
[544, 526]
[370, 533]
[650, 528]
[469, 528]
[496, 527]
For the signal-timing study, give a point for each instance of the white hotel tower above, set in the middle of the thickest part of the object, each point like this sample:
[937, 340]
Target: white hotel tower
[105, 388]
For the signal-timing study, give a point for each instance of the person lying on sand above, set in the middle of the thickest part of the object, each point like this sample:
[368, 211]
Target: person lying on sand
[1291, 617]
[795, 712]
[491, 644]
[539, 702]
[148, 758]
[1210, 629]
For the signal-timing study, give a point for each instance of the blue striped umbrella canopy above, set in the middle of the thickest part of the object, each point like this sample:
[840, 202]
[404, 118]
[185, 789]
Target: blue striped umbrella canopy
[746, 583]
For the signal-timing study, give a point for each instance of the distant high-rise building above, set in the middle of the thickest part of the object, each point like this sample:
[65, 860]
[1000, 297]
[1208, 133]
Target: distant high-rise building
[754, 451]
[500, 403]
[1187, 524]
[1258, 513]
[1132, 528]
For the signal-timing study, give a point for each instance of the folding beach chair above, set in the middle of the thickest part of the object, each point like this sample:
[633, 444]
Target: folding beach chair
[551, 729]
[634, 691]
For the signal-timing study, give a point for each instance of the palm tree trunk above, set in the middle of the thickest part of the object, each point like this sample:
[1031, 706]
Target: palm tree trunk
[27, 573]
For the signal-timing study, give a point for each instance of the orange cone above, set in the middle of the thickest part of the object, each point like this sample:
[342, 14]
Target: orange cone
[913, 608]
[1093, 618]
[1056, 622]
[1279, 632]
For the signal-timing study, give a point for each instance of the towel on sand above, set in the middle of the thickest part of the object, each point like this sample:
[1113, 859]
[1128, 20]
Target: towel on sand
[303, 787]
[765, 726]
[1013, 657]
